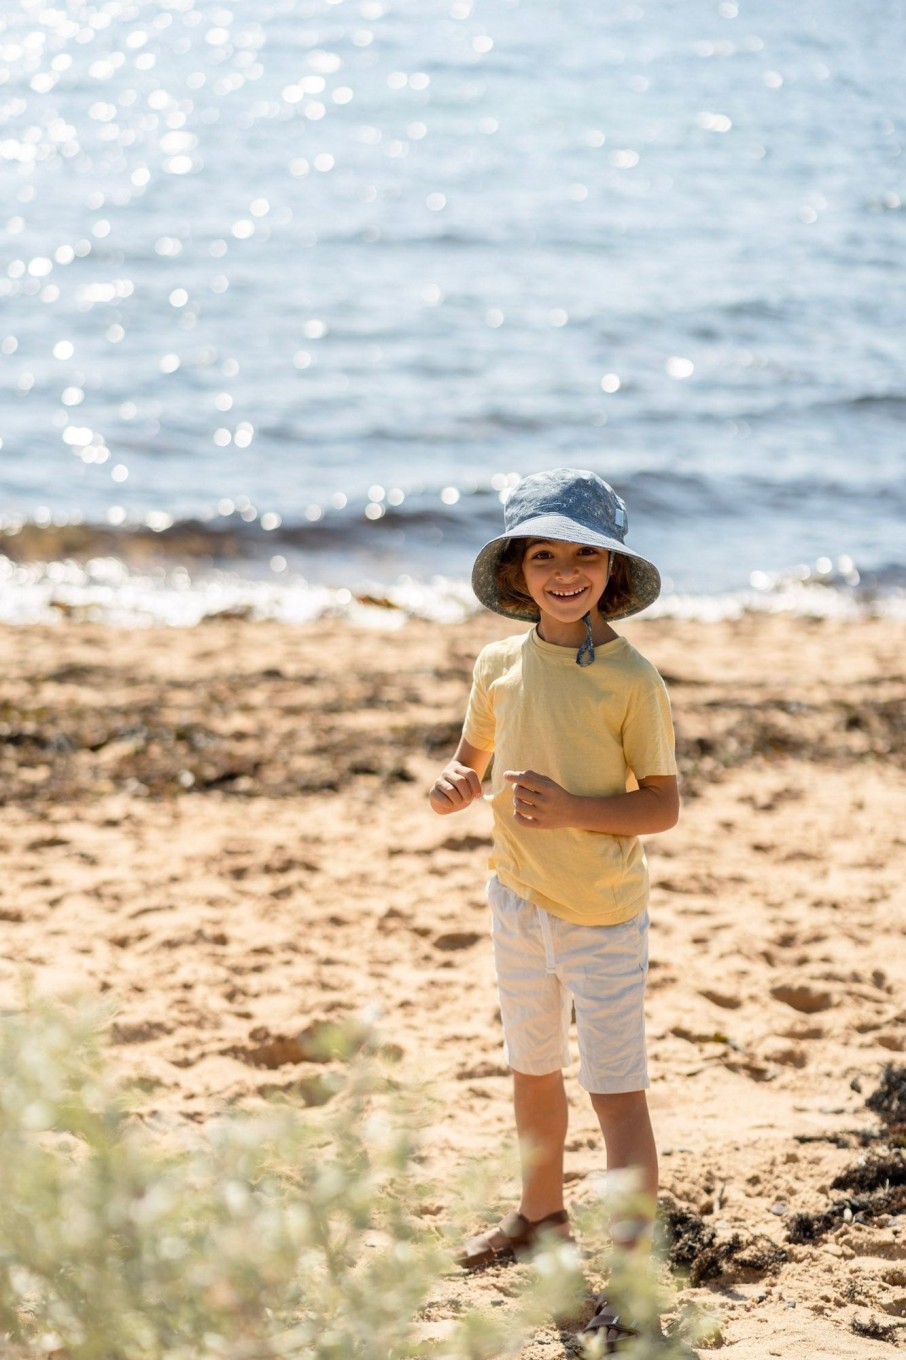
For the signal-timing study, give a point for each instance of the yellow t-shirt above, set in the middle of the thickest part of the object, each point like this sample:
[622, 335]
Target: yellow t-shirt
[596, 730]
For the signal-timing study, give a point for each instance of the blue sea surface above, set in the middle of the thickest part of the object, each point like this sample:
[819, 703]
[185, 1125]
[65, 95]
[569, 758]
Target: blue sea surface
[330, 275]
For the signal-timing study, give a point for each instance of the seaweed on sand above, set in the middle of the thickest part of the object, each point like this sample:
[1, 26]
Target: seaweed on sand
[695, 1246]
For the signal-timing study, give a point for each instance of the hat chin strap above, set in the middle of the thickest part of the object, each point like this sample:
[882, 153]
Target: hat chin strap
[586, 654]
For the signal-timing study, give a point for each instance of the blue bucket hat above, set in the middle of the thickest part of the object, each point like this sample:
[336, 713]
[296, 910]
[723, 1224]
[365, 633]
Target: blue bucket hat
[567, 505]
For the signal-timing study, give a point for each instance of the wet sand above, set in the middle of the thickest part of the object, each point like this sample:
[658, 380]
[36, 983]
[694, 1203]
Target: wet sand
[224, 831]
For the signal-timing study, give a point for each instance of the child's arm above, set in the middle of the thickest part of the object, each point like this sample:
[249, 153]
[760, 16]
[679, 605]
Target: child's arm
[541, 803]
[459, 782]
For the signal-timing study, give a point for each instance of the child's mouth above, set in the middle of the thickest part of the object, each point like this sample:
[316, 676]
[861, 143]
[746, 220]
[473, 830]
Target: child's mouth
[568, 594]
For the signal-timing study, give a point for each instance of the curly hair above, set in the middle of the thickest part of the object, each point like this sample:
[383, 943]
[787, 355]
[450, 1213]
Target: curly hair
[618, 593]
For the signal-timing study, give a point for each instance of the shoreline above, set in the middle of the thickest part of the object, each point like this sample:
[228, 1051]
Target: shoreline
[223, 832]
[171, 593]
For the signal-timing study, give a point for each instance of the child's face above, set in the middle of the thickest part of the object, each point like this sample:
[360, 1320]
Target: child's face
[565, 580]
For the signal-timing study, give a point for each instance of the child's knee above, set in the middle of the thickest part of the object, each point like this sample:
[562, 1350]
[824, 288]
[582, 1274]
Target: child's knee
[534, 1079]
[619, 1107]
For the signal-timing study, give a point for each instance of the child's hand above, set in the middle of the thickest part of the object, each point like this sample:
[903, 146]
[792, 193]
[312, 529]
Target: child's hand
[540, 802]
[454, 789]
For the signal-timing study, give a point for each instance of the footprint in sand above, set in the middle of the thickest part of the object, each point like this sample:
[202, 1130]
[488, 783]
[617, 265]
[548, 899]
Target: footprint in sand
[484, 1068]
[788, 1056]
[457, 939]
[724, 999]
[786, 939]
[321, 1041]
[465, 842]
[139, 1033]
[800, 1030]
[802, 997]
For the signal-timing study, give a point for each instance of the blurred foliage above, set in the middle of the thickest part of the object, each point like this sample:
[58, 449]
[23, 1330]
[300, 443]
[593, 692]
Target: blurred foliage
[285, 1233]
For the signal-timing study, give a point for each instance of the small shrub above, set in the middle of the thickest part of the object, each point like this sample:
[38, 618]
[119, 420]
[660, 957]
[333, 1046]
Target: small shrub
[286, 1234]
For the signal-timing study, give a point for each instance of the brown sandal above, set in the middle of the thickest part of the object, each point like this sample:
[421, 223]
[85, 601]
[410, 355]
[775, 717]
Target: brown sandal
[607, 1321]
[512, 1240]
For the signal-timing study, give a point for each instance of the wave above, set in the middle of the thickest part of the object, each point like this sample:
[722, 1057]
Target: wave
[885, 401]
[111, 592]
[468, 514]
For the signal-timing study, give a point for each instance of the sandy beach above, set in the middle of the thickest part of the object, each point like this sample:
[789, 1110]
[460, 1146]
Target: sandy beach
[224, 830]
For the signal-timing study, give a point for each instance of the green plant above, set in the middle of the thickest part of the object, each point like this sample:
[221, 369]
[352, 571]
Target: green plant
[287, 1234]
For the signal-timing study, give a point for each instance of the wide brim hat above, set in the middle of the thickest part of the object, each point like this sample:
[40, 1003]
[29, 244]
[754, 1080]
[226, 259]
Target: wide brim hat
[567, 505]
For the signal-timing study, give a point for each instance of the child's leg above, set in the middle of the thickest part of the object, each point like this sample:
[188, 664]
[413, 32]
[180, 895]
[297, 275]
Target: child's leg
[629, 1140]
[535, 1010]
[630, 1143]
[541, 1120]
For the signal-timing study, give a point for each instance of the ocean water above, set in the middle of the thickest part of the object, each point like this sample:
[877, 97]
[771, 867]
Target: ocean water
[291, 293]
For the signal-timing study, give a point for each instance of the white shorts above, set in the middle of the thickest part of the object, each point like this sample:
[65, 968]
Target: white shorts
[545, 966]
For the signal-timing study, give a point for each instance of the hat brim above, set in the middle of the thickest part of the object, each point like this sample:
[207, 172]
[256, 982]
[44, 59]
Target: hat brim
[644, 576]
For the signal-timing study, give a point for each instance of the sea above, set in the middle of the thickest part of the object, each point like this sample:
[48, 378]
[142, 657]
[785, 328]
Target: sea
[292, 293]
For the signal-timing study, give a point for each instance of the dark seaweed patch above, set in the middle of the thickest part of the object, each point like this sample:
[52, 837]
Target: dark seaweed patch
[875, 1172]
[878, 1177]
[857, 1209]
[889, 1100]
[694, 1247]
[878, 1331]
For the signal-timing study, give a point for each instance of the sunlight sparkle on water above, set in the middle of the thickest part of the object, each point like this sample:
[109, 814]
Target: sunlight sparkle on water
[171, 135]
[714, 122]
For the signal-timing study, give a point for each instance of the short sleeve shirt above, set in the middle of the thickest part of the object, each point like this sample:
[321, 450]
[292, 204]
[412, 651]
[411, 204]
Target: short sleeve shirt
[594, 729]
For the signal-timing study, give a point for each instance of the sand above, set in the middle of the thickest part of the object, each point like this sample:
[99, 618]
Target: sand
[225, 832]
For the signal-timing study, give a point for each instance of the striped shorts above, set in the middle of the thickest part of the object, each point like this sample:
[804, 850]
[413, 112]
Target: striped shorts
[545, 967]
